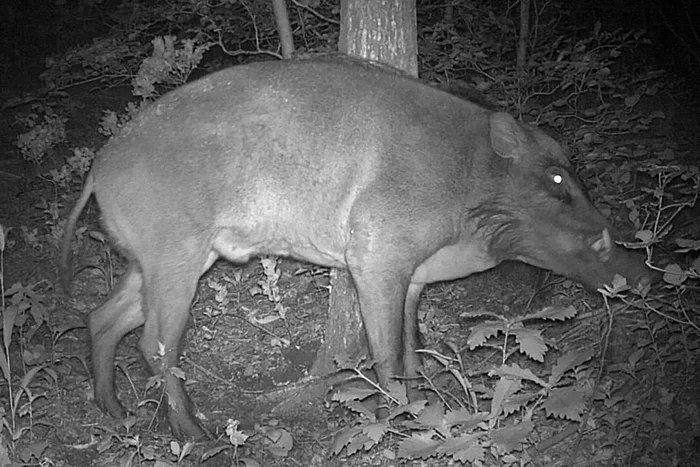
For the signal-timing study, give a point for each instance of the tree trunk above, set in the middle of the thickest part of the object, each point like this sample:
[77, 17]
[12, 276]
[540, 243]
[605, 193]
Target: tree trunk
[524, 36]
[384, 31]
[449, 16]
[381, 30]
[283, 28]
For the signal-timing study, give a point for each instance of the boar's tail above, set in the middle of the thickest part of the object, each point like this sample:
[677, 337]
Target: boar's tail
[65, 270]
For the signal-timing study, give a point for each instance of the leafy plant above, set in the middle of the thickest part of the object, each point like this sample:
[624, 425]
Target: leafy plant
[18, 418]
[268, 286]
[235, 28]
[268, 438]
[47, 130]
[479, 57]
[677, 189]
[76, 165]
[50, 210]
[573, 78]
[108, 59]
[483, 421]
[129, 448]
[167, 65]
[112, 122]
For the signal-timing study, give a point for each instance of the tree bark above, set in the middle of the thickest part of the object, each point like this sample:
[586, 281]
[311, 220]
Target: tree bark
[381, 30]
[449, 15]
[283, 28]
[524, 36]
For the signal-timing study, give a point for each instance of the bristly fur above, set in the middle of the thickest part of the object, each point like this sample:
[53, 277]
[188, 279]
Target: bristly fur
[500, 226]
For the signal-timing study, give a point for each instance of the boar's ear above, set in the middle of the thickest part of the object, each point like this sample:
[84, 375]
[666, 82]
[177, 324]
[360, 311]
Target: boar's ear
[507, 137]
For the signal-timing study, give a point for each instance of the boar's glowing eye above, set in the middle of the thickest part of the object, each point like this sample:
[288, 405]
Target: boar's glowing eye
[558, 186]
[556, 175]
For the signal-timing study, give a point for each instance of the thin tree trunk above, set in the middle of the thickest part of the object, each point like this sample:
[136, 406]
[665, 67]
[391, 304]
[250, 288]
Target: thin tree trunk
[283, 28]
[524, 36]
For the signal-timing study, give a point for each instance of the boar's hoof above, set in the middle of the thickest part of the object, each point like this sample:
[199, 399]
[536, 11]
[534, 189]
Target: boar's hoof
[111, 406]
[185, 427]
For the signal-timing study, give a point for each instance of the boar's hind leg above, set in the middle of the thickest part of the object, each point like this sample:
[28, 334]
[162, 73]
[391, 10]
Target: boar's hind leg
[121, 314]
[169, 288]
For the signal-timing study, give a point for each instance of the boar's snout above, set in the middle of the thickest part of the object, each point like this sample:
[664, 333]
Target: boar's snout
[618, 260]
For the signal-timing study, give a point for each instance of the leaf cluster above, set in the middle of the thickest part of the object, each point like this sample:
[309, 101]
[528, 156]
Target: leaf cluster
[23, 313]
[485, 420]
